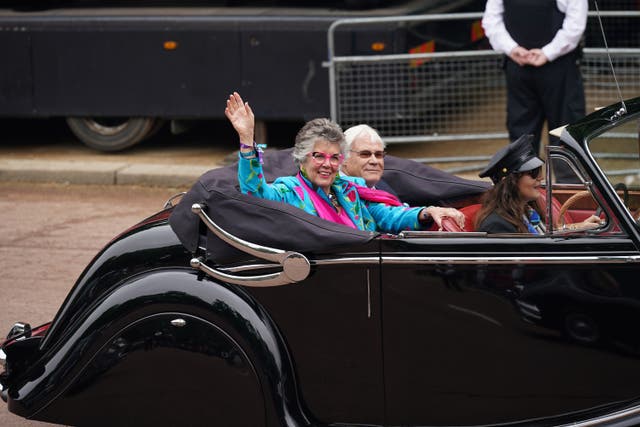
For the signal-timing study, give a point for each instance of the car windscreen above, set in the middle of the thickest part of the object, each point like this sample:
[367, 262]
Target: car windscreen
[617, 153]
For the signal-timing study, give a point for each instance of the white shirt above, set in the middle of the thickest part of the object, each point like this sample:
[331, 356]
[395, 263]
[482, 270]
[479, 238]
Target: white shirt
[565, 40]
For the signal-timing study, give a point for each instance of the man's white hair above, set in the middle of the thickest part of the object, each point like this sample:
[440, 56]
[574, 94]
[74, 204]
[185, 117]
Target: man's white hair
[355, 132]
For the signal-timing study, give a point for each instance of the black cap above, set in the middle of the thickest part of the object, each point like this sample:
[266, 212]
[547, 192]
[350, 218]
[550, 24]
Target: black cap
[515, 157]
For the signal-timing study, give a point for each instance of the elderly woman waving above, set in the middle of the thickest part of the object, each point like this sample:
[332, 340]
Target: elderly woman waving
[318, 189]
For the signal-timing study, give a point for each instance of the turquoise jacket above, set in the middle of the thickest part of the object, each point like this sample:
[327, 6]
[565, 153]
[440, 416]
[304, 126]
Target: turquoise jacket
[365, 215]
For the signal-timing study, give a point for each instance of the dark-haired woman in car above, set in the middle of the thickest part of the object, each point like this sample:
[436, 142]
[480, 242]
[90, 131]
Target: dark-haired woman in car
[512, 205]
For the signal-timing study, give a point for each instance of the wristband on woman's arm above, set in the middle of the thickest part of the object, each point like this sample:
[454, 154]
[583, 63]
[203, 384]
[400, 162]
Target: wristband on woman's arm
[247, 155]
[257, 150]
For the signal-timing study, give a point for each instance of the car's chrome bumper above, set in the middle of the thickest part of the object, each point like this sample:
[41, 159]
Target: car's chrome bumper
[19, 331]
[19, 328]
[3, 363]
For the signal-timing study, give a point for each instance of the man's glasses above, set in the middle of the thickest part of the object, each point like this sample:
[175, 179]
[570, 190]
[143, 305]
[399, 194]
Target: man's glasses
[365, 154]
[319, 158]
[534, 173]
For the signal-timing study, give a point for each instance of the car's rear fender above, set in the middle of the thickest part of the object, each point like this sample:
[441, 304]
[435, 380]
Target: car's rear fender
[147, 246]
[55, 385]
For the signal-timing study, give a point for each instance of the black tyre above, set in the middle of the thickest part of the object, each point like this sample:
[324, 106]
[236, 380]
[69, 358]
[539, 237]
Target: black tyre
[157, 126]
[111, 133]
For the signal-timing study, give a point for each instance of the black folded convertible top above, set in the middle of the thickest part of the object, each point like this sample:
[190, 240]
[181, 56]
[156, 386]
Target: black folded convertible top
[283, 226]
[421, 185]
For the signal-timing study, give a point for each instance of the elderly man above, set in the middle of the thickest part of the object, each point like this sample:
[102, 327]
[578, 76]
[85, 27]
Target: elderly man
[364, 157]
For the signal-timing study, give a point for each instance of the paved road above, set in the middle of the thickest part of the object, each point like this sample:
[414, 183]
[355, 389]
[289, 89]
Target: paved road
[45, 150]
[48, 234]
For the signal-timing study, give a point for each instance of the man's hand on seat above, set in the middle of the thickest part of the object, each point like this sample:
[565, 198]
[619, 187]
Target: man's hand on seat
[438, 213]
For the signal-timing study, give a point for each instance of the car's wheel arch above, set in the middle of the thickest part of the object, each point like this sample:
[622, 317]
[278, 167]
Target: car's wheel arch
[178, 293]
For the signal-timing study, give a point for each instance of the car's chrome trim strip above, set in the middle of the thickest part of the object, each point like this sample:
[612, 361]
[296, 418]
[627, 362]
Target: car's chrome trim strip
[368, 294]
[348, 260]
[299, 272]
[331, 261]
[606, 419]
[475, 260]
[247, 267]
[409, 234]
[471, 259]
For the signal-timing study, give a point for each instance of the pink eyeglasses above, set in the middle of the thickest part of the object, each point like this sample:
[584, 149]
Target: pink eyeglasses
[319, 158]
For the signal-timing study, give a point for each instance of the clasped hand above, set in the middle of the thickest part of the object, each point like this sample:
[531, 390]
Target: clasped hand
[533, 57]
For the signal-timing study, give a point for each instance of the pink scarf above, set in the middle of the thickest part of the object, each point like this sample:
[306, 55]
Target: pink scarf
[379, 196]
[325, 211]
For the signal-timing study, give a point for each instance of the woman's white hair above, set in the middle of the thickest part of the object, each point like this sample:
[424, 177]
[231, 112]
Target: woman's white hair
[312, 131]
[355, 132]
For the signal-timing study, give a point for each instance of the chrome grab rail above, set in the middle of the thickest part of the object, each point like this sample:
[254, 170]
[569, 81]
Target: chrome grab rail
[170, 202]
[295, 266]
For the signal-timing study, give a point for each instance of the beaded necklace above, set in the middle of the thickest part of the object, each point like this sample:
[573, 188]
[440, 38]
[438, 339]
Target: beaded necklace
[334, 200]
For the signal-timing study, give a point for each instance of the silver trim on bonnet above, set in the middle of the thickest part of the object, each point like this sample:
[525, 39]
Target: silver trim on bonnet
[616, 416]
[349, 260]
[471, 259]
[475, 260]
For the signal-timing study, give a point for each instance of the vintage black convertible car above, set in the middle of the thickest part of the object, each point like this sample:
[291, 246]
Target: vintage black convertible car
[203, 315]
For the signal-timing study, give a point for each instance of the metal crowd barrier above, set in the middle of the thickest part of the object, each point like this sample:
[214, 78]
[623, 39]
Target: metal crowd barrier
[457, 95]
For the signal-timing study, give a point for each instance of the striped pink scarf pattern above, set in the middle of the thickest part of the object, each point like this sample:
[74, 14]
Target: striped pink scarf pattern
[379, 196]
[325, 211]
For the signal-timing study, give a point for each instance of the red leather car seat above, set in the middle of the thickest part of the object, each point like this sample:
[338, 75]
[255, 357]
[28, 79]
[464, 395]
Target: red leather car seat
[555, 208]
[471, 211]
[448, 224]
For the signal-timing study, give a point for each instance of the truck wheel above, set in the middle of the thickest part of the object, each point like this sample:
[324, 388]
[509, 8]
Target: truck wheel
[111, 133]
[159, 124]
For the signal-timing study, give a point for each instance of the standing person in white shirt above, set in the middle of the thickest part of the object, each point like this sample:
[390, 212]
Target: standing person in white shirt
[540, 39]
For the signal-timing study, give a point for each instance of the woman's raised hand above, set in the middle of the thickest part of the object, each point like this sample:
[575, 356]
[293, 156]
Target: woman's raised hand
[241, 117]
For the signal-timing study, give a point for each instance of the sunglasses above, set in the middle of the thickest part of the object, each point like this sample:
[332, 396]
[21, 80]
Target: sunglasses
[365, 154]
[534, 173]
[319, 158]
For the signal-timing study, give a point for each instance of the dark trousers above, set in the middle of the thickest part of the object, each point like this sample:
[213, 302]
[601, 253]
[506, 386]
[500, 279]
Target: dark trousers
[553, 92]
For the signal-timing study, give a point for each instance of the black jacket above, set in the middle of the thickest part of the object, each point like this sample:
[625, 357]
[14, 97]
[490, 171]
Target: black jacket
[495, 223]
